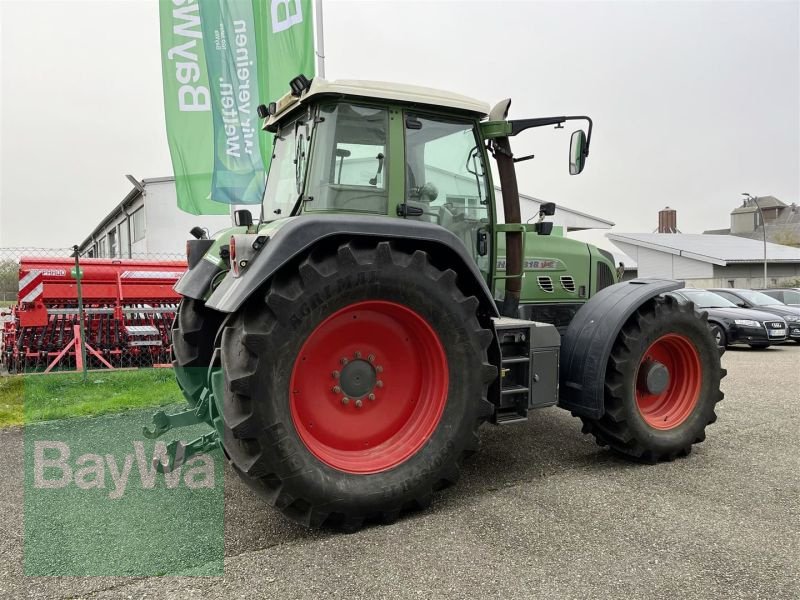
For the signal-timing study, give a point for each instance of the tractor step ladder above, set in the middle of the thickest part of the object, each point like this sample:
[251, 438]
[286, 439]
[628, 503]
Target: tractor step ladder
[529, 367]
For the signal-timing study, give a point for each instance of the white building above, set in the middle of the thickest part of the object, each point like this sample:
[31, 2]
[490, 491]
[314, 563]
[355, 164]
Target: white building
[709, 260]
[148, 222]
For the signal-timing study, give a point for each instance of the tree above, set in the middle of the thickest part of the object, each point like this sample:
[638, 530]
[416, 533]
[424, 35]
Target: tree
[9, 280]
[787, 238]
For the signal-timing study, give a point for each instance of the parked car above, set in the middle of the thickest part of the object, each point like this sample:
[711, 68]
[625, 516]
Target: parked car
[760, 301]
[732, 324]
[789, 296]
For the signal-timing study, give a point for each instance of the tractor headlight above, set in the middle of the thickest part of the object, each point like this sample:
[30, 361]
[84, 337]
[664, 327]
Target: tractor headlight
[747, 322]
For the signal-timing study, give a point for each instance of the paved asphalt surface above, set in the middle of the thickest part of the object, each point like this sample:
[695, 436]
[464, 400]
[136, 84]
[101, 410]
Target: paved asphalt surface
[541, 512]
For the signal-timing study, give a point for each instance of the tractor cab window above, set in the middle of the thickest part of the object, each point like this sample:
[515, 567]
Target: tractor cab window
[348, 170]
[446, 178]
[286, 170]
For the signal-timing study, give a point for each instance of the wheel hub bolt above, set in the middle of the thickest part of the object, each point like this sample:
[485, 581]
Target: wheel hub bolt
[358, 403]
[343, 360]
[335, 374]
[379, 369]
[371, 397]
[379, 383]
[371, 358]
[358, 354]
[336, 389]
[345, 400]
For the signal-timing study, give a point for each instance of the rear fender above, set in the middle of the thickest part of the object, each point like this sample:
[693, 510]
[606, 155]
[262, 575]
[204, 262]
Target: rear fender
[299, 234]
[591, 334]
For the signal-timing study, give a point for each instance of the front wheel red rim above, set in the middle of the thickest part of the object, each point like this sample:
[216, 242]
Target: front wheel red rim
[668, 381]
[368, 387]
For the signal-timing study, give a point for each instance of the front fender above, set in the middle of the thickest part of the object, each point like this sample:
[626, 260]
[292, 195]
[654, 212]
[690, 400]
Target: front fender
[196, 282]
[300, 234]
[591, 334]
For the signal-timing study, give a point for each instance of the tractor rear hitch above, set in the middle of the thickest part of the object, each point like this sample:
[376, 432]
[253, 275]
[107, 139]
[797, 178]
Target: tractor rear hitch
[178, 453]
[163, 422]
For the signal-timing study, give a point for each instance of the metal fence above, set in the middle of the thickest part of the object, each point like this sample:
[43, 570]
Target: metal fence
[107, 313]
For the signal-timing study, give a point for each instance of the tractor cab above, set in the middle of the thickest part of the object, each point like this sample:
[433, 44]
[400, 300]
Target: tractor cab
[399, 151]
[376, 149]
[380, 149]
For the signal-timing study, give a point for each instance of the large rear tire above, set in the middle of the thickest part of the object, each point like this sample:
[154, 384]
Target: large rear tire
[193, 334]
[354, 385]
[662, 383]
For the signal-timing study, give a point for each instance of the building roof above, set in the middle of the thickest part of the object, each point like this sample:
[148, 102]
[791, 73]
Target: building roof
[749, 206]
[716, 249]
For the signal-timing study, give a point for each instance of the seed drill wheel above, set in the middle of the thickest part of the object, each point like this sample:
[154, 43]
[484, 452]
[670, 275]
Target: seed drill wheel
[354, 385]
[662, 383]
[193, 334]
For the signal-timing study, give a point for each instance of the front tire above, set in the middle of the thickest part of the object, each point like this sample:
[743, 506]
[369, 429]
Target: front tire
[662, 384]
[193, 334]
[354, 385]
[719, 335]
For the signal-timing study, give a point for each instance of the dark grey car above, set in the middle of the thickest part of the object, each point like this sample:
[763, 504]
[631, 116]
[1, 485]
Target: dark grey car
[731, 324]
[789, 296]
[761, 301]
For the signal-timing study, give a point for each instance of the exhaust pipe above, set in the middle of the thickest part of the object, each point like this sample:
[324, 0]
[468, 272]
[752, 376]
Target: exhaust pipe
[508, 184]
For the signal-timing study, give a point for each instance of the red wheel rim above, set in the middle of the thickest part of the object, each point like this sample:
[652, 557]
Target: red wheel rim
[369, 387]
[667, 408]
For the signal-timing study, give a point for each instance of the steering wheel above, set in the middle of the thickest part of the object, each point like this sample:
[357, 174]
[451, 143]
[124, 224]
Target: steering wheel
[427, 193]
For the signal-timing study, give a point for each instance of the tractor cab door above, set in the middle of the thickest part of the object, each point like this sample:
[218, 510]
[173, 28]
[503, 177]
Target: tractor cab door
[350, 152]
[446, 181]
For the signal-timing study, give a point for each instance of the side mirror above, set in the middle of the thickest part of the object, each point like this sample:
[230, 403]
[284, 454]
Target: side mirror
[577, 152]
[242, 218]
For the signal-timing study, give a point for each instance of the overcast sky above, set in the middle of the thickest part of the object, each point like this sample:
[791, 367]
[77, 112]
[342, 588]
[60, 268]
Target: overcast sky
[693, 102]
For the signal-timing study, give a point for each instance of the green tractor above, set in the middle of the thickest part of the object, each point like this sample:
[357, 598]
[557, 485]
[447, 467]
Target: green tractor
[346, 345]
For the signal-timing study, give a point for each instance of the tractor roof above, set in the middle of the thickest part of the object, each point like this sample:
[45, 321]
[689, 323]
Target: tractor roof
[381, 90]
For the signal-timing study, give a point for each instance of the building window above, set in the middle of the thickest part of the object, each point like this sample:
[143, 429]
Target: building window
[124, 249]
[112, 243]
[138, 225]
[102, 246]
[731, 283]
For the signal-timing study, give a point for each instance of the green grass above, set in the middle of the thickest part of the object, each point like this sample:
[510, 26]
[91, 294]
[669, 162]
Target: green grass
[35, 398]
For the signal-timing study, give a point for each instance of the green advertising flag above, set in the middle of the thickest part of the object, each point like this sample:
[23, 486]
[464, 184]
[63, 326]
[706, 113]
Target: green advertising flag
[229, 29]
[285, 49]
[187, 106]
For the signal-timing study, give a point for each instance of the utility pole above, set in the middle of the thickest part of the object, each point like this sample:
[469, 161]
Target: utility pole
[320, 49]
[754, 199]
[78, 275]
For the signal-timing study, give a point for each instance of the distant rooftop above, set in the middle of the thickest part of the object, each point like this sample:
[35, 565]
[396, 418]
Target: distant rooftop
[749, 206]
[715, 249]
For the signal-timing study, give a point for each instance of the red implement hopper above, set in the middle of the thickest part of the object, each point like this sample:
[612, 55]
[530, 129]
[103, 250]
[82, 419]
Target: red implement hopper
[129, 307]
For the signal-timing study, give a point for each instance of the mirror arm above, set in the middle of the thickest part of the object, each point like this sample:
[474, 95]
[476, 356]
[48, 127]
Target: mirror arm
[520, 125]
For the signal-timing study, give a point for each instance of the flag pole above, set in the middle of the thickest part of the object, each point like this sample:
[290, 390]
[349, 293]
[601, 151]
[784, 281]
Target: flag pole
[320, 49]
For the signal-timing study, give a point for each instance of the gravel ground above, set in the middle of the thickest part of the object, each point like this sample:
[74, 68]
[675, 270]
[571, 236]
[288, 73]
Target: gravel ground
[541, 512]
